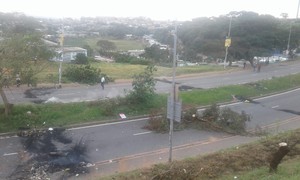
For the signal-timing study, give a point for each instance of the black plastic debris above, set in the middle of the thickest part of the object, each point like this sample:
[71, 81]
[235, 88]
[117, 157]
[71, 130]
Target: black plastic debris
[50, 151]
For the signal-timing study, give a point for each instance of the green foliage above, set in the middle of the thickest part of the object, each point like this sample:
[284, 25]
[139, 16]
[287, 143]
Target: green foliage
[143, 87]
[155, 53]
[233, 121]
[157, 122]
[212, 113]
[109, 106]
[81, 59]
[252, 35]
[106, 45]
[124, 58]
[82, 74]
[217, 119]
[89, 49]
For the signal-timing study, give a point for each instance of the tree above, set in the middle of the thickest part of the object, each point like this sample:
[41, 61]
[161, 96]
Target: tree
[106, 45]
[155, 53]
[143, 86]
[23, 53]
[81, 59]
[90, 51]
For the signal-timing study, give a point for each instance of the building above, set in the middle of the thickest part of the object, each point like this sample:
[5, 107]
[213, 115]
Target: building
[69, 53]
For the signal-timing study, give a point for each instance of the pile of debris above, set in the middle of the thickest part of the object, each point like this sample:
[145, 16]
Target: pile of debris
[51, 151]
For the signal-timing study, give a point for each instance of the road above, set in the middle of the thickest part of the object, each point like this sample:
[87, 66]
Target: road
[126, 145]
[205, 81]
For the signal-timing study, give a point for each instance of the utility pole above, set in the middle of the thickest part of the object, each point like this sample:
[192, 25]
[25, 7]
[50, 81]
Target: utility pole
[291, 25]
[61, 58]
[174, 96]
[227, 42]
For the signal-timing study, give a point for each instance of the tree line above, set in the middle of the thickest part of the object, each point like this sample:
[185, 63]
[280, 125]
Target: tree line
[251, 35]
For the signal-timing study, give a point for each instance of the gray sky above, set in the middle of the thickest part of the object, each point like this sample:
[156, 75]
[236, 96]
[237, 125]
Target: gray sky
[154, 9]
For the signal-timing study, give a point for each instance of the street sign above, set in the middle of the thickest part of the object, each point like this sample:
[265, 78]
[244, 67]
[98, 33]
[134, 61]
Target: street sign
[170, 109]
[227, 42]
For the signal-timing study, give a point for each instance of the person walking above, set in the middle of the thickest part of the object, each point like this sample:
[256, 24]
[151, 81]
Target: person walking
[18, 80]
[102, 81]
[6, 81]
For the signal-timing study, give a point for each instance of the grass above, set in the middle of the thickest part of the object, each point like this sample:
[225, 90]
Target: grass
[62, 115]
[122, 44]
[121, 71]
[224, 94]
[248, 162]
[74, 113]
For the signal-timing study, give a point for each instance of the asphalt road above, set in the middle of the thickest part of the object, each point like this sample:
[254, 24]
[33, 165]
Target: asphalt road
[126, 145]
[205, 81]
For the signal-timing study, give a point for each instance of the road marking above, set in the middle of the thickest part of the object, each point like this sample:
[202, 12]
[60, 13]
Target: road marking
[9, 154]
[107, 124]
[275, 95]
[275, 107]
[147, 132]
[66, 94]
[7, 137]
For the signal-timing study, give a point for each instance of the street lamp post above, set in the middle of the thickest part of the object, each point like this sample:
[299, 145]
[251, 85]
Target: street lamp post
[61, 59]
[173, 96]
[227, 42]
[290, 32]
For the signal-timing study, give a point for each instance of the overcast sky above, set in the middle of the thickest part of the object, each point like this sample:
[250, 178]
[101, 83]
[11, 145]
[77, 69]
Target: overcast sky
[154, 9]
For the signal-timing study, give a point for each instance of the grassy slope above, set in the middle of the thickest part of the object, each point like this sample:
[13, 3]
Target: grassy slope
[247, 162]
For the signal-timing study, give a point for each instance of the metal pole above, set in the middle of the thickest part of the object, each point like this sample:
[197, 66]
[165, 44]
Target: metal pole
[62, 58]
[228, 36]
[291, 24]
[289, 39]
[173, 95]
[298, 10]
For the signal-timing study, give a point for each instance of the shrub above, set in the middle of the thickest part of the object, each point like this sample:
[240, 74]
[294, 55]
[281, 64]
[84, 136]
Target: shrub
[82, 74]
[143, 87]
[212, 113]
[157, 122]
[81, 59]
[215, 118]
[233, 121]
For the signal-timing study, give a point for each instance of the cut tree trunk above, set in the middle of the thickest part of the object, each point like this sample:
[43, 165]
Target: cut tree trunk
[7, 106]
[278, 156]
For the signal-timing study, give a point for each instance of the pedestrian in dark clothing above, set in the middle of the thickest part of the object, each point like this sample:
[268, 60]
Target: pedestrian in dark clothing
[102, 81]
[18, 80]
[258, 67]
[5, 82]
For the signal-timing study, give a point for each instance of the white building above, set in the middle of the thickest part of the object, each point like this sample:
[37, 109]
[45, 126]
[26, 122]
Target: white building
[68, 54]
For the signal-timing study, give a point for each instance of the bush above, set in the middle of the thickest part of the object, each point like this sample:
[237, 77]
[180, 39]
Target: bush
[81, 59]
[190, 115]
[109, 106]
[233, 121]
[143, 87]
[224, 119]
[212, 113]
[82, 74]
[157, 122]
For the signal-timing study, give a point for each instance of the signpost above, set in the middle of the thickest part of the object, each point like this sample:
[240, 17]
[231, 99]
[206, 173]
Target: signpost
[227, 42]
[174, 107]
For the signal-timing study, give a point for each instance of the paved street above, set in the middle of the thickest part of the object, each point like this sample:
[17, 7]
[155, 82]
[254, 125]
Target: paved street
[126, 145]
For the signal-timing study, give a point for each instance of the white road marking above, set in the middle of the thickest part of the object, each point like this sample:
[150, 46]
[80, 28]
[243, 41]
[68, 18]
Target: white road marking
[107, 124]
[64, 94]
[147, 132]
[7, 137]
[10, 154]
[275, 107]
